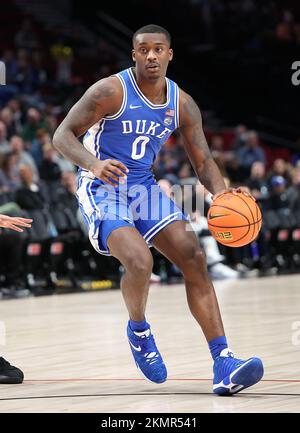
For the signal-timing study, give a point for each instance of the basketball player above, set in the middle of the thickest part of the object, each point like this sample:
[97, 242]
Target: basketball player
[9, 373]
[126, 119]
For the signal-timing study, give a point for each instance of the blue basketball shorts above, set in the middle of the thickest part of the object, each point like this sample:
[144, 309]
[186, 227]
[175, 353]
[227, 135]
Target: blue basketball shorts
[105, 208]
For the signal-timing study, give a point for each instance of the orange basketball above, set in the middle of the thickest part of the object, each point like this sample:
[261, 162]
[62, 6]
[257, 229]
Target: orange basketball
[234, 219]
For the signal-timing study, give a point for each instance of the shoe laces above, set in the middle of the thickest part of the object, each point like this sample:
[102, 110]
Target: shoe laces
[228, 364]
[149, 347]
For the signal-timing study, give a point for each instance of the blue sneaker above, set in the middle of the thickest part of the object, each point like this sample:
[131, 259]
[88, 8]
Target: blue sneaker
[146, 355]
[231, 375]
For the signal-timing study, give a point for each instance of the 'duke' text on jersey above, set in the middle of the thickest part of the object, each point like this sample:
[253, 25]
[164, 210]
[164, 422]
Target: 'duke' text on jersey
[144, 127]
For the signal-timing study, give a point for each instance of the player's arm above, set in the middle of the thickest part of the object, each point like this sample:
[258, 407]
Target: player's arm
[101, 99]
[197, 148]
[196, 145]
[14, 223]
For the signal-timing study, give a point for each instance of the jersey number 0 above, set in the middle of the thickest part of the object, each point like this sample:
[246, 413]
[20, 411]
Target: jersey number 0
[139, 147]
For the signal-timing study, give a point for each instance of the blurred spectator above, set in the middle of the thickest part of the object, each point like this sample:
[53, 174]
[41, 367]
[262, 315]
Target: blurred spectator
[4, 145]
[217, 145]
[51, 123]
[280, 219]
[249, 153]
[15, 107]
[23, 157]
[34, 122]
[223, 158]
[30, 195]
[67, 194]
[278, 197]
[53, 164]
[293, 191]
[37, 144]
[217, 148]
[9, 172]
[50, 169]
[257, 182]
[65, 165]
[279, 168]
[6, 116]
[69, 180]
[240, 133]
[26, 37]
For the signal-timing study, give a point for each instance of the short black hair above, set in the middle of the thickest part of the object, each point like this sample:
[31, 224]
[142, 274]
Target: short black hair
[152, 28]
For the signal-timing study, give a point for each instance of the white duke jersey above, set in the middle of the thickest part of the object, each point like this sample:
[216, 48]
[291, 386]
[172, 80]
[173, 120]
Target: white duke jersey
[135, 134]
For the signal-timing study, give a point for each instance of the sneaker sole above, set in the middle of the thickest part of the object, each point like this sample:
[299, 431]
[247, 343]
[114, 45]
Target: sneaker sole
[146, 378]
[244, 376]
[10, 380]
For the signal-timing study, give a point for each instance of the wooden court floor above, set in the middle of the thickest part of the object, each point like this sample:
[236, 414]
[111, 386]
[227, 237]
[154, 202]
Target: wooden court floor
[76, 358]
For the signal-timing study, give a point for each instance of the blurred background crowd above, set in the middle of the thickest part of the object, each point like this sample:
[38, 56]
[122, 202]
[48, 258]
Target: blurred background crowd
[234, 57]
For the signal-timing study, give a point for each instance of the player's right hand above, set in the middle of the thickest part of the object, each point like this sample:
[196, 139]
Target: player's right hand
[111, 171]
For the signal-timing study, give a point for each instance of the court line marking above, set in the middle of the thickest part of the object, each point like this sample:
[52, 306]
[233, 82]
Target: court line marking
[144, 394]
[82, 379]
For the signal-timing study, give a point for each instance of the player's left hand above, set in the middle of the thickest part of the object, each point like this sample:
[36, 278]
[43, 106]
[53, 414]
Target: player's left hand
[13, 223]
[241, 189]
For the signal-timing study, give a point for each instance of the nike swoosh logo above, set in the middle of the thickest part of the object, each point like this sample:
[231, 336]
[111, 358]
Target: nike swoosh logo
[134, 106]
[137, 348]
[211, 217]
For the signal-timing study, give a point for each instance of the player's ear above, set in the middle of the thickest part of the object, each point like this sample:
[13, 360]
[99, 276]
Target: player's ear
[133, 55]
[170, 54]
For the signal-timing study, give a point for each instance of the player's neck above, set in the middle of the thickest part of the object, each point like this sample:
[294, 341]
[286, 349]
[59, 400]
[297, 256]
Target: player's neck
[154, 90]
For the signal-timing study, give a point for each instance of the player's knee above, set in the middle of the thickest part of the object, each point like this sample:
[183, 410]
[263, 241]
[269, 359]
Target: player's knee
[199, 256]
[140, 264]
[194, 260]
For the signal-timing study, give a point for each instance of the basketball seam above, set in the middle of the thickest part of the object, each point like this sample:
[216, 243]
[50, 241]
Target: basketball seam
[236, 227]
[229, 208]
[251, 214]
